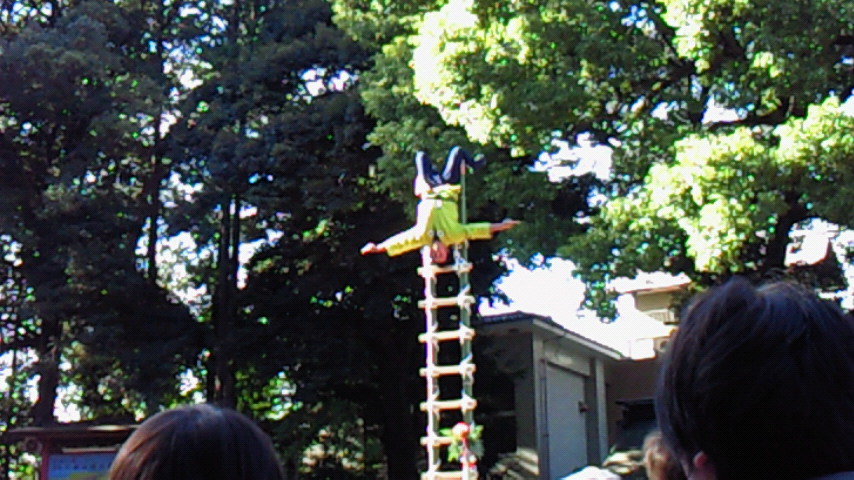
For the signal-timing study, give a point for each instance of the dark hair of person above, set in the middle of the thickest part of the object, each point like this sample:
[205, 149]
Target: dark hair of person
[762, 381]
[659, 463]
[200, 442]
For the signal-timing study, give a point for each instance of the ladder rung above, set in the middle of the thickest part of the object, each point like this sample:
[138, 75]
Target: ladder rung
[439, 370]
[459, 334]
[434, 270]
[436, 441]
[458, 404]
[439, 302]
[446, 476]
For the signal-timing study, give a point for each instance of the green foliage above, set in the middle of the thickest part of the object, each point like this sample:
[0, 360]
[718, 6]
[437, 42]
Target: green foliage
[238, 127]
[231, 123]
[407, 123]
[328, 440]
[725, 192]
[79, 101]
[455, 449]
[15, 403]
[274, 147]
[108, 150]
[723, 117]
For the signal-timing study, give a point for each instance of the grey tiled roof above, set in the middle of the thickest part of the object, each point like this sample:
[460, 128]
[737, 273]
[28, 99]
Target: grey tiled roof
[517, 316]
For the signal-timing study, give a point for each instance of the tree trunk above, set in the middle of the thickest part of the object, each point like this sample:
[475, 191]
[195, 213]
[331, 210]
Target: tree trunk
[48, 369]
[158, 173]
[775, 250]
[223, 304]
[400, 438]
[152, 197]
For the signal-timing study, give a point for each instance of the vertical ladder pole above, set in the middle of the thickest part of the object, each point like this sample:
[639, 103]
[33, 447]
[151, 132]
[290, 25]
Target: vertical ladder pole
[466, 353]
[434, 458]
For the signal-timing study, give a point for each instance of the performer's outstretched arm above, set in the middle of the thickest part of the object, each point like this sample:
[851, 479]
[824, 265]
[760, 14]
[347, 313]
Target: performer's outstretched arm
[506, 224]
[416, 237]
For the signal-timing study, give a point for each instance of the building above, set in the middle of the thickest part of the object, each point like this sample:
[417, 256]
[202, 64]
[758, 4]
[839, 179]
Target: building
[573, 397]
[558, 385]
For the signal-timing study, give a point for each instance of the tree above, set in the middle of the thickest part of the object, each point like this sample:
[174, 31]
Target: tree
[273, 141]
[723, 117]
[506, 187]
[15, 360]
[254, 102]
[267, 149]
[74, 102]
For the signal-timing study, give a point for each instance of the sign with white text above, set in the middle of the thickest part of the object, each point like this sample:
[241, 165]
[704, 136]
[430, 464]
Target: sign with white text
[79, 466]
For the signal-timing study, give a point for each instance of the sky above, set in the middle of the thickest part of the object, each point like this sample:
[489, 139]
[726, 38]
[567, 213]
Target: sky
[553, 292]
[550, 291]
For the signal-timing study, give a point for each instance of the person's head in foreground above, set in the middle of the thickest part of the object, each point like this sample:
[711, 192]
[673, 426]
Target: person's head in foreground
[658, 462]
[759, 384]
[201, 442]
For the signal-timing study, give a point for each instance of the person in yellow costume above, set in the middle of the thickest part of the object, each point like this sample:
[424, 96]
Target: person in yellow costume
[437, 218]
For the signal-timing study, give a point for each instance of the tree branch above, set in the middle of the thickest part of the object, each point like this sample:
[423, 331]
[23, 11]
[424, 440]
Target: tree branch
[666, 31]
[775, 249]
[774, 117]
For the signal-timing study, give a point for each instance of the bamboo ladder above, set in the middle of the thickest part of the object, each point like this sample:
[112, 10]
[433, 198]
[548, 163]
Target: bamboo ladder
[435, 405]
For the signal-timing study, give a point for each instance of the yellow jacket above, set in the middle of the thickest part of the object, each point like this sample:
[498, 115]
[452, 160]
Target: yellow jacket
[437, 218]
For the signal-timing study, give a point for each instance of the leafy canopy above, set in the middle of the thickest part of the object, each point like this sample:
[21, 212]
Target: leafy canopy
[724, 117]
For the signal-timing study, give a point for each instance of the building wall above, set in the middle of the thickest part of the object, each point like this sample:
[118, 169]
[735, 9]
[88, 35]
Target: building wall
[512, 353]
[628, 380]
[571, 404]
[658, 305]
[565, 420]
[633, 379]
[653, 301]
[560, 397]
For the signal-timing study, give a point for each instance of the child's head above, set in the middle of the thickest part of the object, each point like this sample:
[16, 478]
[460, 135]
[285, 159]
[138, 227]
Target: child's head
[758, 383]
[658, 462]
[439, 252]
[201, 442]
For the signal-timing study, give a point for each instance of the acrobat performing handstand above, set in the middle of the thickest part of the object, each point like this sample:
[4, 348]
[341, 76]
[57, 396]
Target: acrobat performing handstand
[437, 219]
